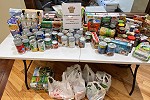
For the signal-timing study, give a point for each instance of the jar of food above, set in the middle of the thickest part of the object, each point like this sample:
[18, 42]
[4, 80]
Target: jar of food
[71, 42]
[64, 40]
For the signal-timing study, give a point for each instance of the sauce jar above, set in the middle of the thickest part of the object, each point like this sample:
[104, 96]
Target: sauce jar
[77, 36]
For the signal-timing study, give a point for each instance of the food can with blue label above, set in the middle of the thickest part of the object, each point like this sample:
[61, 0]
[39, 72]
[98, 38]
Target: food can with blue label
[102, 47]
[111, 49]
[40, 35]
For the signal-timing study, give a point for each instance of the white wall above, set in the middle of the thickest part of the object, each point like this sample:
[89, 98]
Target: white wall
[126, 5]
[4, 15]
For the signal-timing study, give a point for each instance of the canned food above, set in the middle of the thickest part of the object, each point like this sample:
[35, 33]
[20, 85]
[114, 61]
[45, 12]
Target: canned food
[82, 42]
[41, 45]
[111, 49]
[77, 36]
[54, 35]
[55, 44]
[47, 30]
[107, 40]
[71, 42]
[64, 40]
[102, 47]
[40, 35]
[65, 31]
[34, 30]
[59, 37]
[19, 45]
[47, 35]
[26, 44]
[33, 45]
[132, 27]
[88, 36]
[69, 34]
[32, 37]
[80, 32]
[48, 43]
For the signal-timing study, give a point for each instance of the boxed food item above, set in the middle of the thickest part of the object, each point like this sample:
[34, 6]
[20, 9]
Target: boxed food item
[122, 47]
[142, 51]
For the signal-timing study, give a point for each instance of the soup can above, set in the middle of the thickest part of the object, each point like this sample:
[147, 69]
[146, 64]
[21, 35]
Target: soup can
[82, 42]
[88, 36]
[41, 45]
[55, 44]
[111, 49]
[40, 35]
[47, 35]
[26, 44]
[48, 43]
[77, 37]
[60, 34]
[107, 40]
[102, 47]
[33, 45]
[71, 42]
[32, 37]
[54, 35]
[64, 40]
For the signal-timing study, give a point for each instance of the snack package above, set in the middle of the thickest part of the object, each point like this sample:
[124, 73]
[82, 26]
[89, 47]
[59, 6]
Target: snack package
[142, 51]
[88, 74]
[95, 91]
[104, 79]
[60, 89]
[73, 75]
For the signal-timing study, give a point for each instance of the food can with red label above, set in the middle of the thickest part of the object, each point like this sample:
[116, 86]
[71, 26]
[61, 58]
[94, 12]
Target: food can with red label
[55, 44]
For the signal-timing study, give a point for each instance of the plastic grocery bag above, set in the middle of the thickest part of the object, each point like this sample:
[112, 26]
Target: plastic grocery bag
[60, 90]
[74, 76]
[95, 91]
[104, 79]
[88, 74]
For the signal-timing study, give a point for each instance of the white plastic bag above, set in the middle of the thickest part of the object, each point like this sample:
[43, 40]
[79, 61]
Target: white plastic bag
[95, 91]
[104, 79]
[74, 76]
[60, 90]
[88, 74]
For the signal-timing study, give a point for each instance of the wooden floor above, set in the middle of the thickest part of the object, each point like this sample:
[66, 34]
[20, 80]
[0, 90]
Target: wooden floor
[119, 90]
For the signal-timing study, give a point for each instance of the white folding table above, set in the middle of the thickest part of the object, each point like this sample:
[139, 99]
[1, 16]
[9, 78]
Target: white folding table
[87, 54]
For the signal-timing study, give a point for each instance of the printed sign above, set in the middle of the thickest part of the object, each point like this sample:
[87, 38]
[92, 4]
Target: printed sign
[71, 15]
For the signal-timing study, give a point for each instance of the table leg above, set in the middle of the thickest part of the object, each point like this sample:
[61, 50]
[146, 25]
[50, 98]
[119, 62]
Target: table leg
[26, 72]
[134, 79]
